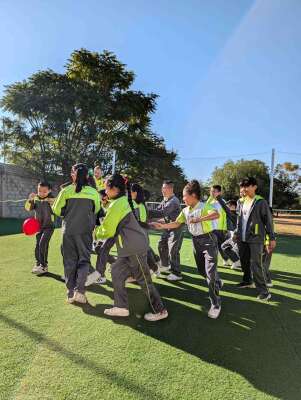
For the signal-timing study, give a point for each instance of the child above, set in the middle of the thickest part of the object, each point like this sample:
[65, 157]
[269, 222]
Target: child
[229, 247]
[102, 248]
[41, 204]
[77, 204]
[99, 182]
[132, 246]
[137, 194]
[199, 216]
[254, 223]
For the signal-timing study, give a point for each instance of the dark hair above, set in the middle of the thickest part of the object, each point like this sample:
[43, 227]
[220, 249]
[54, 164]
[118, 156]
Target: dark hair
[193, 187]
[45, 184]
[168, 182]
[81, 176]
[147, 195]
[118, 182]
[140, 193]
[217, 187]
[102, 192]
[232, 202]
[249, 181]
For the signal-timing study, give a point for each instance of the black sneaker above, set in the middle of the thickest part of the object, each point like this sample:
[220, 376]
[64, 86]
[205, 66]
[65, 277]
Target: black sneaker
[243, 285]
[264, 296]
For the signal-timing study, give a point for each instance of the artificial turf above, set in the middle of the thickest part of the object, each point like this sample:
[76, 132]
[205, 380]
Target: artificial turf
[52, 350]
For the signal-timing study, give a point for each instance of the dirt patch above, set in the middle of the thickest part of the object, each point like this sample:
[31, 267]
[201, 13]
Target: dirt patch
[288, 224]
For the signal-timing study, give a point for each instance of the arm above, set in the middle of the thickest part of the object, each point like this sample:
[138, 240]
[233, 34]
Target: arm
[171, 225]
[209, 217]
[29, 205]
[109, 224]
[226, 209]
[59, 203]
[269, 225]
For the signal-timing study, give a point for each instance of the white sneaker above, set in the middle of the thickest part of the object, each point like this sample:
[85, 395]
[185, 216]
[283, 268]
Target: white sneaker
[35, 269]
[130, 280]
[92, 278]
[236, 265]
[172, 277]
[164, 269]
[270, 284]
[79, 298]
[214, 312]
[117, 312]
[226, 263]
[101, 281]
[39, 270]
[156, 317]
[155, 273]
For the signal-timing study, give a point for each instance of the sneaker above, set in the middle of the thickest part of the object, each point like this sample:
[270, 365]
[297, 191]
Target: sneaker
[172, 277]
[40, 270]
[101, 281]
[156, 317]
[164, 269]
[264, 296]
[117, 312]
[70, 300]
[79, 298]
[236, 265]
[92, 278]
[214, 312]
[130, 280]
[243, 285]
[35, 268]
[226, 263]
[270, 284]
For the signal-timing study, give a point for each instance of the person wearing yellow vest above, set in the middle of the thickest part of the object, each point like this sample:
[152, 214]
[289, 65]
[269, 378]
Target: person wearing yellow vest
[199, 218]
[99, 181]
[221, 225]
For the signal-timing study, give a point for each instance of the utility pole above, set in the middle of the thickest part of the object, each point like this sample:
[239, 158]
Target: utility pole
[272, 178]
[114, 162]
[3, 142]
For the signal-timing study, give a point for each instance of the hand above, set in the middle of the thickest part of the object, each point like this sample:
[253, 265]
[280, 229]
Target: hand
[32, 196]
[156, 225]
[271, 246]
[234, 238]
[194, 220]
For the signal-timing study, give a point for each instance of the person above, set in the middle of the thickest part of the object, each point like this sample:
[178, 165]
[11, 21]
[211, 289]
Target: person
[229, 247]
[132, 246]
[77, 204]
[101, 248]
[221, 225]
[41, 204]
[253, 224]
[99, 181]
[199, 216]
[137, 193]
[267, 258]
[171, 240]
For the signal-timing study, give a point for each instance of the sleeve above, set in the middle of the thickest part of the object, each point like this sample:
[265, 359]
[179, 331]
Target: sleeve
[59, 203]
[109, 224]
[158, 213]
[170, 207]
[29, 205]
[267, 219]
[181, 218]
[210, 209]
[97, 203]
[143, 214]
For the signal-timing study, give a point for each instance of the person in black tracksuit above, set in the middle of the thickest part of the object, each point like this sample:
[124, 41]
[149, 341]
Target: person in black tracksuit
[253, 224]
[41, 204]
[77, 204]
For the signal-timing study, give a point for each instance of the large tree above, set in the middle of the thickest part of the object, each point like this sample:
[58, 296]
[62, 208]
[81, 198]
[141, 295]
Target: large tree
[55, 120]
[285, 180]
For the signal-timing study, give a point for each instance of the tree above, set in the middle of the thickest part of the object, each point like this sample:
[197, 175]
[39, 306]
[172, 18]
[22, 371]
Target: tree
[83, 114]
[231, 173]
[286, 180]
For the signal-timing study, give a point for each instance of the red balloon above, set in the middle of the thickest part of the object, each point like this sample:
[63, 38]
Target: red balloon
[31, 226]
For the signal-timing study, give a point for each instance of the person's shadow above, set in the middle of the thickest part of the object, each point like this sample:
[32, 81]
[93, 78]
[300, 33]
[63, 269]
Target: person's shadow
[250, 338]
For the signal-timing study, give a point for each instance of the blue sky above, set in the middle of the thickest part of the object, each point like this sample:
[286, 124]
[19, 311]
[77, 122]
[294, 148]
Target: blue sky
[228, 72]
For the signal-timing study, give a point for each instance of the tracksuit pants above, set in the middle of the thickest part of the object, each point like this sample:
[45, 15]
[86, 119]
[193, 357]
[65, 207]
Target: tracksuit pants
[42, 246]
[169, 247]
[251, 258]
[134, 266]
[76, 250]
[266, 259]
[205, 253]
[222, 237]
[102, 249]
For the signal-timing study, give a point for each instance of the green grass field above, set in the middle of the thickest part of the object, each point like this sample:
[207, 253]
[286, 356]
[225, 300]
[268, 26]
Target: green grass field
[52, 350]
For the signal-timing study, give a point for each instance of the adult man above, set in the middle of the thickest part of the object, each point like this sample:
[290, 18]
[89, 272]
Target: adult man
[222, 225]
[171, 240]
[254, 222]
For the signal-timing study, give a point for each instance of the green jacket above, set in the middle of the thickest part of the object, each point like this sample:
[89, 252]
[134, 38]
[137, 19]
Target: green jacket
[77, 209]
[219, 224]
[121, 223]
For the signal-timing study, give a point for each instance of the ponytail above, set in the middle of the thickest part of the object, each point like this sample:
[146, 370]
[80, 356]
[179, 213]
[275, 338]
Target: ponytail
[81, 176]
